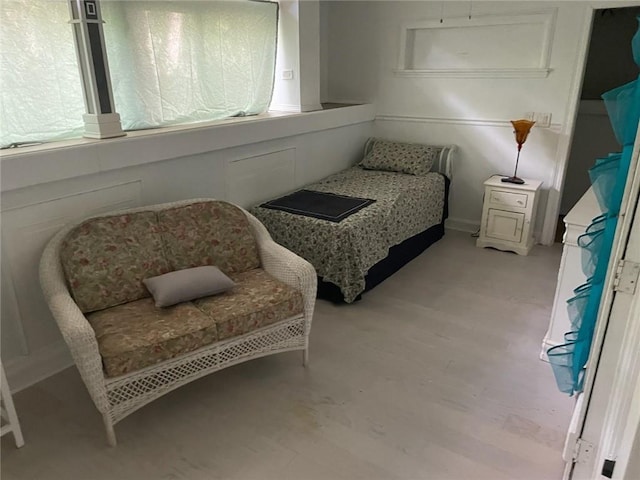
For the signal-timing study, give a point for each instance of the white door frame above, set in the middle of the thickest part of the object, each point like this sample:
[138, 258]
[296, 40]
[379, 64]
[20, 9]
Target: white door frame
[566, 135]
[614, 360]
[630, 436]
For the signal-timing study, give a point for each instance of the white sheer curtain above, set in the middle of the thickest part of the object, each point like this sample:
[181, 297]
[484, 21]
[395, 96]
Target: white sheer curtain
[188, 61]
[40, 91]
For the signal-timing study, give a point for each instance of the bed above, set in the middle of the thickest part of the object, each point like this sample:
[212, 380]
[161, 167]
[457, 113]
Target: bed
[405, 187]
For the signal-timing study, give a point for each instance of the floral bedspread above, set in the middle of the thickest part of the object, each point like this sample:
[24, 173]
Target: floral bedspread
[342, 253]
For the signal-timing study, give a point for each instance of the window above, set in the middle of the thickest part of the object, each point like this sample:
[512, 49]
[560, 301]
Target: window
[180, 62]
[40, 90]
[170, 62]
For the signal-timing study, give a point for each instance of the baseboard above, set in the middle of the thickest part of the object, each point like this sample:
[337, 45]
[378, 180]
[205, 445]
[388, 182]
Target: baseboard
[461, 225]
[26, 370]
[470, 226]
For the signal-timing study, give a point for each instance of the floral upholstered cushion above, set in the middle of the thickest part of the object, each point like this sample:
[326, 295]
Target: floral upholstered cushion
[105, 259]
[257, 300]
[389, 156]
[139, 334]
[209, 233]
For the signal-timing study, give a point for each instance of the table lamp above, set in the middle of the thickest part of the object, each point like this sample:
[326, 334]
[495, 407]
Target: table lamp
[521, 130]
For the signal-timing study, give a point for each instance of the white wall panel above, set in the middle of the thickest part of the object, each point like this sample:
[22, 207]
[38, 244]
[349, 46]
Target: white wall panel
[365, 42]
[25, 232]
[14, 340]
[593, 138]
[32, 346]
[485, 46]
[256, 179]
[483, 150]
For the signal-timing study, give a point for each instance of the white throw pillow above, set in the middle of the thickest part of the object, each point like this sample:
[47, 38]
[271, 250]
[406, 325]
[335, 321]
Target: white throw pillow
[188, 284]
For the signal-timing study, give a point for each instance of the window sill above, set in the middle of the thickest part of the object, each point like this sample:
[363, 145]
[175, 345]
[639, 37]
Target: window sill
[28, 166]
[476, 73]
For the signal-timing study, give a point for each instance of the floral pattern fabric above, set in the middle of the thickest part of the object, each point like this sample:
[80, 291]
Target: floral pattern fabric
[408, 158]
[257, 300]
[209, 233]
[139, 334]
[342, 253]
[105, 259]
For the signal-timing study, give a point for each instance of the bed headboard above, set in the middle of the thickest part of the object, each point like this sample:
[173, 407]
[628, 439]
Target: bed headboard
[443, 164]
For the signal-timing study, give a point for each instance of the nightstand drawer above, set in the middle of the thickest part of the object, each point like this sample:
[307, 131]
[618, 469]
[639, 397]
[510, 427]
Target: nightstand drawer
[508, 199]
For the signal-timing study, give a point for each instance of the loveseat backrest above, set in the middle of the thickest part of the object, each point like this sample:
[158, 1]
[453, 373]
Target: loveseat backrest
[208, 233]
[106, 258]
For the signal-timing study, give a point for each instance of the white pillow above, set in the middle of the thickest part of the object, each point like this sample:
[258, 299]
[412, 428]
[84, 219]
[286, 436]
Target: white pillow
[188, 284]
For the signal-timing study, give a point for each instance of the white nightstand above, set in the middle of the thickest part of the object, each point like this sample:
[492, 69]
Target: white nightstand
[508, 215]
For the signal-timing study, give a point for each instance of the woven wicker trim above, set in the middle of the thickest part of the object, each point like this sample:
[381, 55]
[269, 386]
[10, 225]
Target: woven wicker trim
[112, 399]
[129, 392]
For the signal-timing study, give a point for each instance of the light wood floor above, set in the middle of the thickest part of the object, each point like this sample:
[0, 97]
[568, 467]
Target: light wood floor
[433, 375]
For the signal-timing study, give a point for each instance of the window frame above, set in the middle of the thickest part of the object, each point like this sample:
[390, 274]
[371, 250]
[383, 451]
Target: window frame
[101, 119]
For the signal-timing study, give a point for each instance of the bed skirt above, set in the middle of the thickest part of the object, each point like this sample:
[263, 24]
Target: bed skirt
[399, 256]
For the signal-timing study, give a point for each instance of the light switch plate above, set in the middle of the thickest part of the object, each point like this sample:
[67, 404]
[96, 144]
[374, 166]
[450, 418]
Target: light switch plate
[543, 119]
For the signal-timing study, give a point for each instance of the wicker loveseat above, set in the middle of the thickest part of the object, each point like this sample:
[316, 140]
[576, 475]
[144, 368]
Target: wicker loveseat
[130, 352]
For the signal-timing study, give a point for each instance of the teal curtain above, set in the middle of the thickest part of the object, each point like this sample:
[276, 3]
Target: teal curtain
[608, 178]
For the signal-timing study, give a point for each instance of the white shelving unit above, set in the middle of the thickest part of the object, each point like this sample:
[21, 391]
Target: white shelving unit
[570, 274]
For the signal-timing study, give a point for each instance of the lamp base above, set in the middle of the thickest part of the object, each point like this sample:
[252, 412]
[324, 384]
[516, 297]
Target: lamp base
[514, 179]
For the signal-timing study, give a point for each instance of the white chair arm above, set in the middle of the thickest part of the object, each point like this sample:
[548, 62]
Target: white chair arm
[285, 265]
[74, 326]
[81, 340]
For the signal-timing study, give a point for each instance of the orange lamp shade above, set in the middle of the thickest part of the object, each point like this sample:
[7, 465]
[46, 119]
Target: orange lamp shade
[521, 129]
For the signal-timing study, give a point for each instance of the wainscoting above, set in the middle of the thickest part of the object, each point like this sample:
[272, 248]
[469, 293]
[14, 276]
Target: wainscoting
[485, 147]
[31, 341]
[42, 190]
[255, 179]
